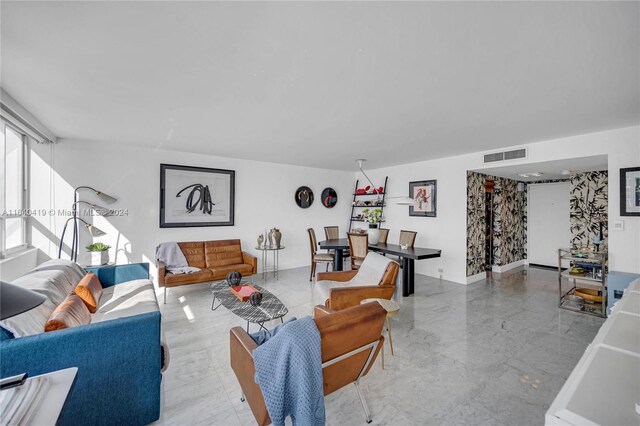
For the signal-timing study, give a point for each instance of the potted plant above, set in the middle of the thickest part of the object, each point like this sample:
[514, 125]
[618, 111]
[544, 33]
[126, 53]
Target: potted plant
[99, 253]
[373, 218]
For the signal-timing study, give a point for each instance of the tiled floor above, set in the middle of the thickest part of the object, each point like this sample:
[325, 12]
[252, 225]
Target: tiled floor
[494, 352]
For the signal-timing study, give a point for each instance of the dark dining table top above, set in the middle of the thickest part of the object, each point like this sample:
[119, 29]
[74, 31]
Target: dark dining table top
[415, 253]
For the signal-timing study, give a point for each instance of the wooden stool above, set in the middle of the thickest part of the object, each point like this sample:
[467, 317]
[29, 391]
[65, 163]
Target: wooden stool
[392, 309]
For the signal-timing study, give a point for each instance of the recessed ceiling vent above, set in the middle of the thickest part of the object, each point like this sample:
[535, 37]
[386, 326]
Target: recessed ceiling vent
[507, 155]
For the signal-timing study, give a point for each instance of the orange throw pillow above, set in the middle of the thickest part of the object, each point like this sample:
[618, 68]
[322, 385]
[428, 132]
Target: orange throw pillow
[70, 313]
[89, 289]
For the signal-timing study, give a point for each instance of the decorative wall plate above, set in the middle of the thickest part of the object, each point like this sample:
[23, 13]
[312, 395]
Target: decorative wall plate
[304, 197]
[329, 198]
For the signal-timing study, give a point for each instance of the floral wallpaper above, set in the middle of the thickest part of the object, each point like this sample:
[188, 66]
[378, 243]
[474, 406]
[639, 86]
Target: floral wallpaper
[508, 223]
[475, 223]
[589, 206]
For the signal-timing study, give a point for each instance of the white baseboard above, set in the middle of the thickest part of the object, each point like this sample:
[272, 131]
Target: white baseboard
[507, 267]
[476, 277]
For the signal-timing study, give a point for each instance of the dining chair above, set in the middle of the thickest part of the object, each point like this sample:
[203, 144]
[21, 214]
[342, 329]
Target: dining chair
[407, 238]
[358, 247]
[384, 234]
[315, 256]
[333, 233]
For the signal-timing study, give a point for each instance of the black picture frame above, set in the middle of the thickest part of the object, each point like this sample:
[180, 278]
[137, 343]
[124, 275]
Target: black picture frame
[424, 208]
[201, 200]
[630, 191]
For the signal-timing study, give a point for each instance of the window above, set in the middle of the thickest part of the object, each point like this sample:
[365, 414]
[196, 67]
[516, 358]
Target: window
[13, 191]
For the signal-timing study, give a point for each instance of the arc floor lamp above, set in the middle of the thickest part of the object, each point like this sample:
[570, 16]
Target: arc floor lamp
[94, 230]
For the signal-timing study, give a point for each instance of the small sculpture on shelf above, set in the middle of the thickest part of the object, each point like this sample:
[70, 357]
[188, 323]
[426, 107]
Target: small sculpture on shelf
[275, 237]
[260, 240]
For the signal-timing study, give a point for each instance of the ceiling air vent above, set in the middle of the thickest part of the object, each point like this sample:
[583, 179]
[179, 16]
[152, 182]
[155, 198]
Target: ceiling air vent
[490, 158]
[507, 155]
[515, 154]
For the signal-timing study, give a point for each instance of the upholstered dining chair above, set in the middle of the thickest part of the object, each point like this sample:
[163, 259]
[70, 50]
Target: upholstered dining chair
[315, 256]
[407, 238]
[333, 233]
[384, 234]
[350, 341]
[358, 247]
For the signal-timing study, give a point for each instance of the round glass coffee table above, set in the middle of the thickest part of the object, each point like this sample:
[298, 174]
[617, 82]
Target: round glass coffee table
[269, 309]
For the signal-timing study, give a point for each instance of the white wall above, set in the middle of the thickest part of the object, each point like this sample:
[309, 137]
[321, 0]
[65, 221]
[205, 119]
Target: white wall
[264, 199]
[448, 230]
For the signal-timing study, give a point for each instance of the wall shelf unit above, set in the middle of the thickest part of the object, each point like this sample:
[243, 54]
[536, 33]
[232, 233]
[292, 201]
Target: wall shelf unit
[374, 200]
[592, 280]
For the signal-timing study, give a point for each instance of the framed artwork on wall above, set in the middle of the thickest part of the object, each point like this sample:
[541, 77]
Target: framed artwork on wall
[630, 191]
[196, 196]
[424, 193]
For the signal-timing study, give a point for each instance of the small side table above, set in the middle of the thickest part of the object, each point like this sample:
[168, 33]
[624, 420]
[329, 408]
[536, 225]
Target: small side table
[265, 260]
[51, 405]
[392, 309]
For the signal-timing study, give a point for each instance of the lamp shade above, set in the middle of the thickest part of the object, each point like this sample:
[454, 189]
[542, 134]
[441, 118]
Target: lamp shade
[95, 231]
[106, 198]
[15, 300]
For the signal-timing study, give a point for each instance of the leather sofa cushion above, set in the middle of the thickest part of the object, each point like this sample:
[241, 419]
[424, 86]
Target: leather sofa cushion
[196, 277]
[222, 272]
[194, 253]
[89, 290]
[222, 253]
[72, 312]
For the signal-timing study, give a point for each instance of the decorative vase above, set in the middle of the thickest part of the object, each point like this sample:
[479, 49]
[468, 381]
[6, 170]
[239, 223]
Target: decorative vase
[234, 278]
[99, 258]
[255, 299]
[270, 236]
[260, 240]
[374, 233]
[277, 236]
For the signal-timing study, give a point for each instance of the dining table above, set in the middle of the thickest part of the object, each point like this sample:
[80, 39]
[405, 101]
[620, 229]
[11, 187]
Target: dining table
[407, 258]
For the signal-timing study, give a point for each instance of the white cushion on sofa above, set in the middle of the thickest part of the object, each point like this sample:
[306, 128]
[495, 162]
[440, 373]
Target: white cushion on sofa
[55, 279]
[126, 299]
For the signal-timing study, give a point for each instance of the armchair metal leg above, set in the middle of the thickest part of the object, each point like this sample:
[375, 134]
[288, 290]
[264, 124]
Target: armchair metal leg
[363, 401]
[165, 295]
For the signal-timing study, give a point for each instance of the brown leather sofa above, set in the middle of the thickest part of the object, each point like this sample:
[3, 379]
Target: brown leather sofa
[215, 259]
[345, 297]
[357, 330]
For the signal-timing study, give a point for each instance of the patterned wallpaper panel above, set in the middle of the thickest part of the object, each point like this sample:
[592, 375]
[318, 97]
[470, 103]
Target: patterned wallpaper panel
[589, 206]
[475, 223]
[508, 222]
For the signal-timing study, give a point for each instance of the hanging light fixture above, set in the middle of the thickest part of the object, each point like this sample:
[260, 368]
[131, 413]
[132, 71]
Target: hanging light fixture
[402, 200]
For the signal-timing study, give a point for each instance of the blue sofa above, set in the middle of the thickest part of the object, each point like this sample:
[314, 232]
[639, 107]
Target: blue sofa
[118, 360]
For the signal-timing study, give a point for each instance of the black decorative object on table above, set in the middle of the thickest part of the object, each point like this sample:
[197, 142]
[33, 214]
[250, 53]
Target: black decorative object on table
[255, 299]
[196, 196]
[329, 198]
[304, 197]
[234, 278]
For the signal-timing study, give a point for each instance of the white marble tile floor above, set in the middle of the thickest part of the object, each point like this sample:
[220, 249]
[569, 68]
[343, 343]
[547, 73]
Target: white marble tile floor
[494, 352]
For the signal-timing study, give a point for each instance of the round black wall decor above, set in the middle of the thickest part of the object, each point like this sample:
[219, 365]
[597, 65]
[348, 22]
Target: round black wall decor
[304, 197]
[329, 198]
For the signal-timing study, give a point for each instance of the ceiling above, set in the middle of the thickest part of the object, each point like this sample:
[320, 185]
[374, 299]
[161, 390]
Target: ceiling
[323, 83]
[548, 169]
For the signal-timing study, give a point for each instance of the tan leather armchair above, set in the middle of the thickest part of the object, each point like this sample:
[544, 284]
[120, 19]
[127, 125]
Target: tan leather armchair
[350, 342]
[345, 297]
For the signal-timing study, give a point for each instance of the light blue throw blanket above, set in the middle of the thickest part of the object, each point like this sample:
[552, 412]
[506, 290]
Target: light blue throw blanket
[289, 373]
